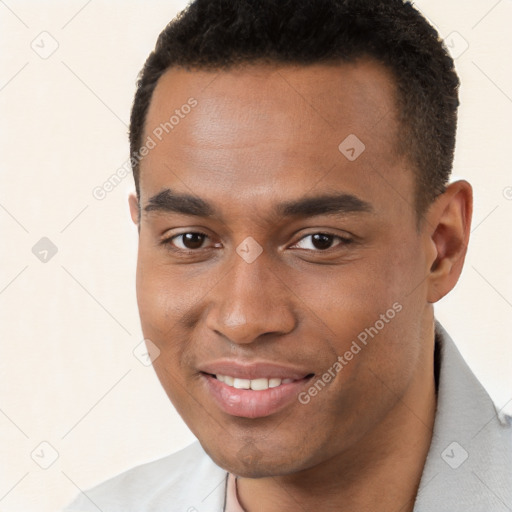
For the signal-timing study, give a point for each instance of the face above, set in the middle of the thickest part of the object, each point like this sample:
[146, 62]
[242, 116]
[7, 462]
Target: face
[274, 245]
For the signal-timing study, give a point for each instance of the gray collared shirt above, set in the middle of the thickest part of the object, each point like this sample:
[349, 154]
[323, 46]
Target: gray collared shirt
[468, 467]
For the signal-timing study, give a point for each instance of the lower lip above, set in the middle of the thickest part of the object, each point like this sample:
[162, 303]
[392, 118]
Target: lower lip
[253, 404]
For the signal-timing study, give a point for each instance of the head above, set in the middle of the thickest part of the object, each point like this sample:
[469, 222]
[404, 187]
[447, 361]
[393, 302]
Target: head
[291, 162]
[222, 35]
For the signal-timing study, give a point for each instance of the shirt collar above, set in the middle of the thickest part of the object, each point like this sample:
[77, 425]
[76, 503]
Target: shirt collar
[469, 463]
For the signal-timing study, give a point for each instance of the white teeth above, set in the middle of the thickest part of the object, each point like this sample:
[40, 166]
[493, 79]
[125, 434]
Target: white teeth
[259, 384]
[254, 384]
[273, 383]
[242, 384]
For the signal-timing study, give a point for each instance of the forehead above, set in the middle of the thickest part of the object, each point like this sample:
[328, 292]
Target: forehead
[272, 130]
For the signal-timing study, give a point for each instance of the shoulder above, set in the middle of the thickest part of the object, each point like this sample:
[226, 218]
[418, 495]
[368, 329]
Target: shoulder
[181, 481]
[469, 463]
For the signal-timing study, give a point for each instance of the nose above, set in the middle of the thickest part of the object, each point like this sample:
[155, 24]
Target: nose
[250, 301]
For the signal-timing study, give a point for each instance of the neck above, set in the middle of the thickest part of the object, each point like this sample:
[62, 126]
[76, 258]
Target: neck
[381, 472]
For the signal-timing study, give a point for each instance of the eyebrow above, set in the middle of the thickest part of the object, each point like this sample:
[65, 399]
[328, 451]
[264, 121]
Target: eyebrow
[325, 204]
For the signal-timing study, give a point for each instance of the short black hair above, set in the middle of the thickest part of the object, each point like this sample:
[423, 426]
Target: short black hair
[222, 34]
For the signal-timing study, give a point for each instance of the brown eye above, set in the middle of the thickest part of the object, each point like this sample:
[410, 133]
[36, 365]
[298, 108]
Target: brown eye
[321, 241]
[188, 241]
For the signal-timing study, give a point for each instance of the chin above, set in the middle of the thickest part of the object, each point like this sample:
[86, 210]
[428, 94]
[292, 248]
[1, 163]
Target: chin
[251, 462]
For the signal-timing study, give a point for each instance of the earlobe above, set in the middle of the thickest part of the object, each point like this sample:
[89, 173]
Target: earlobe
[134, 207]
[450, 221]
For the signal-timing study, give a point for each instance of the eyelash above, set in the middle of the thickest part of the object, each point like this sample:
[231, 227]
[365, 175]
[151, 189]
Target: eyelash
[167, 242]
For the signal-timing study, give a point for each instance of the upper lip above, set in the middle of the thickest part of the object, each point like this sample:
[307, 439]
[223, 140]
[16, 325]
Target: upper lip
[253, 370]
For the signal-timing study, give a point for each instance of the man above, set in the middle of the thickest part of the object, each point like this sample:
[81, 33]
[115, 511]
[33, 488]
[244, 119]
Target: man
[296, 226]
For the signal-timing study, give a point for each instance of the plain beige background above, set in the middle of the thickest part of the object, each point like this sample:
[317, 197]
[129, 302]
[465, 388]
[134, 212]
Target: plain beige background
[69, 326]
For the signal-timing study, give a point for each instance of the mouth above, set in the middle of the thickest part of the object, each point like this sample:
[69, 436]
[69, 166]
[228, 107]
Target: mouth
[259, 384]
[253, 398]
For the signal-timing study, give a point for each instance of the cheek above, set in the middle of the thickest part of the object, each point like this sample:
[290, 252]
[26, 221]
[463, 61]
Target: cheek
[153, 296]
[350, 297]
[163, 296]
[369, 310]
[163, 303]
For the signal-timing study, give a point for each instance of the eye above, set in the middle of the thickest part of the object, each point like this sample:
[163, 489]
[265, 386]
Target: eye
[194, 241]
[189, 241]
[321, 241]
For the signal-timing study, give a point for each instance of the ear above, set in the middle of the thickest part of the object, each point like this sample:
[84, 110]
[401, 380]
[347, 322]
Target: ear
[134, 207]
[448, 224]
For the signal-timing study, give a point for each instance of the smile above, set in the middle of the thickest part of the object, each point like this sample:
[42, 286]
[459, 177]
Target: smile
[252, 398]
[253, 384]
